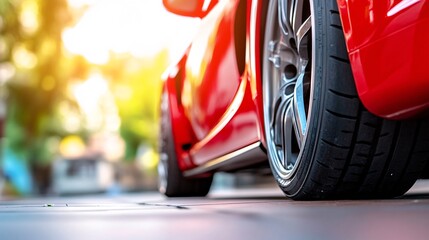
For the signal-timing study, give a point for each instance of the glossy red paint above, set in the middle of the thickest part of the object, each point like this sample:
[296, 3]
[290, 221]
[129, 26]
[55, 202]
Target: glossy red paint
[237, 129]
[211, 76]
[387, 43]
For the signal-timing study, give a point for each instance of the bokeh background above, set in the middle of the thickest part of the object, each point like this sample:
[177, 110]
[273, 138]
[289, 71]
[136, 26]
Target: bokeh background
[80, 84]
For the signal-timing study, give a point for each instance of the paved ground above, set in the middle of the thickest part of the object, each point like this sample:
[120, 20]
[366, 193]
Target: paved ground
[226, 214]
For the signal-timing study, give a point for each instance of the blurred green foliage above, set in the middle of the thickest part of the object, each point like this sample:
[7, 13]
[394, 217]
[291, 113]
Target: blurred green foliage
[136, 84]
[31, 36]
[31, 48]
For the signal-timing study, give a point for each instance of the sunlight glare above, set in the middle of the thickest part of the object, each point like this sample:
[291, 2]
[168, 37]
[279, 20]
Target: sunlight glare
[97, 103]
[141, 28]
[89, 92]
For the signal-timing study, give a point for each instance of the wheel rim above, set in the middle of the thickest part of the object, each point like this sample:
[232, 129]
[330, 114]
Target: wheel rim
[163, 138]
[287, 84]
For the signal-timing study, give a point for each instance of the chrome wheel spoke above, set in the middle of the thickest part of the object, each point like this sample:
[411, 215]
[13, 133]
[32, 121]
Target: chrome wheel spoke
[303, 30]
[278, 118]
[290, 12]
[302, 39]
[284, 13]
[289, 158]
[296, 13]
[162, 166]
[282, 127]
[299, 114]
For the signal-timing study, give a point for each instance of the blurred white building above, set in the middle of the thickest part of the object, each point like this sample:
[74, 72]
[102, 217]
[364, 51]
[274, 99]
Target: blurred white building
[82, 175]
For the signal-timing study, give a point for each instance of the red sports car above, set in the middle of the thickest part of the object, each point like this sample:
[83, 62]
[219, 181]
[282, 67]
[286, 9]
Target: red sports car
[331, 93]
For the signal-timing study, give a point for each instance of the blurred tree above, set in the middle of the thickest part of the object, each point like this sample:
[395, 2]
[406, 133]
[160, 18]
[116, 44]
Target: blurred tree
[32, 53]
[32, 29]
[37, 72]
[137, 90]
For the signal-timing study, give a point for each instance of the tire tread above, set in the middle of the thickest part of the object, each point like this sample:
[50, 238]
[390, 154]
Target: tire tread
[359, 155]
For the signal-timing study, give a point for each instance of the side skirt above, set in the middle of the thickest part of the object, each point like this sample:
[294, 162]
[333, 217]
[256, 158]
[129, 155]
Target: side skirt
[247, 156]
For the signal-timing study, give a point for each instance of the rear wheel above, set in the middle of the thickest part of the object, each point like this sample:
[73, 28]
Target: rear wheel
[321, 141]
[171, 181]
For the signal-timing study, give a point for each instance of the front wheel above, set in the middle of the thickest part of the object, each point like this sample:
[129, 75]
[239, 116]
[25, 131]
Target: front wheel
[321, 142]
[171, 181]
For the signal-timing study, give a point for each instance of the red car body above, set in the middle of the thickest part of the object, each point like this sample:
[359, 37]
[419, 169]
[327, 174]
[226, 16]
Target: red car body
[386, 40]
[215, 89]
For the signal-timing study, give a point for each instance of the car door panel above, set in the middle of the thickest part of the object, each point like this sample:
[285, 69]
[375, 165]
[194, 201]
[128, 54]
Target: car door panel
[212, 76]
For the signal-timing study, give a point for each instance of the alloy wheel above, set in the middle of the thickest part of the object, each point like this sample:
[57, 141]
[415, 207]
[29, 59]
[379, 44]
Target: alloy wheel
[287, 83]
[163, 156]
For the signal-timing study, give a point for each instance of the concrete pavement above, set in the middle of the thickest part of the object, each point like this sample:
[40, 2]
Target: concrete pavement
[262, 213]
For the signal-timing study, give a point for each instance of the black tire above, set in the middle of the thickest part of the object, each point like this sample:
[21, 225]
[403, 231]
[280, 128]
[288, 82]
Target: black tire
[337, 149]
[172, 183]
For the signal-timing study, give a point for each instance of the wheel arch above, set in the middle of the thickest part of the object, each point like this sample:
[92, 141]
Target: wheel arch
[183, 134]
[383, 71]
